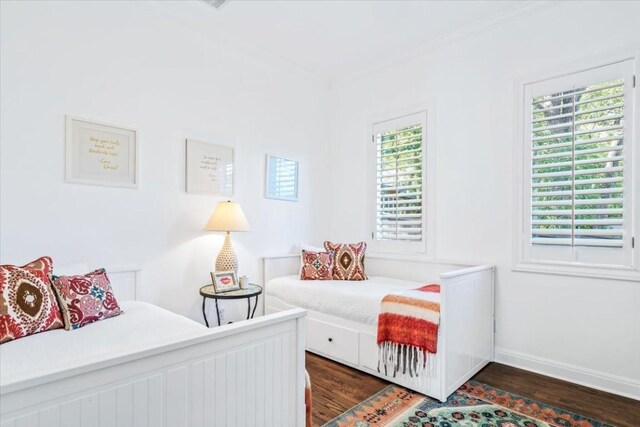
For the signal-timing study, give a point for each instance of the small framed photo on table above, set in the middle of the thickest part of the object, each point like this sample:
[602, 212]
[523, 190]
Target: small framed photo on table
[224, 281]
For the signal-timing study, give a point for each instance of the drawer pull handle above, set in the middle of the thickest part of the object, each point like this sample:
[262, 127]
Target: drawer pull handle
[330, 339]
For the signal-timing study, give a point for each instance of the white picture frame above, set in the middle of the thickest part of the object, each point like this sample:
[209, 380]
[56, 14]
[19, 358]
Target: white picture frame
[99, 153]
[209, 168]
[224, 281]
[281, 178]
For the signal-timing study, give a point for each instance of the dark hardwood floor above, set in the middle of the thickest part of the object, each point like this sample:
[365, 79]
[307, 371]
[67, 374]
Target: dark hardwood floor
[337, 388]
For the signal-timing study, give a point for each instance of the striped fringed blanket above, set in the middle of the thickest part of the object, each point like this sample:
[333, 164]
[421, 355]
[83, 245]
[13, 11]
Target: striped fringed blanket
[408, 330]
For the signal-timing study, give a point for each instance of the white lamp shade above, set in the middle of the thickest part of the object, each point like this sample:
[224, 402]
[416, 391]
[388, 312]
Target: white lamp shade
[228, 216]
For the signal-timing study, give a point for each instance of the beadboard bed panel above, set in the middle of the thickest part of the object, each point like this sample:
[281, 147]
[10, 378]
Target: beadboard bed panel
[246, 374]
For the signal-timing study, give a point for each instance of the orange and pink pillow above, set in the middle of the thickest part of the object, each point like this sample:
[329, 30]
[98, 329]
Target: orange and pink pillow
[316, 265]
[348, 260]
[85, 299]
[27, 302]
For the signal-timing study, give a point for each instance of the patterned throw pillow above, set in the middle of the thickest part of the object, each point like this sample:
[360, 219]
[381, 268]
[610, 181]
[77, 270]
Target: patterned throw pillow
[348, 260]
[27, 303]
[85, 299]
[316, 265]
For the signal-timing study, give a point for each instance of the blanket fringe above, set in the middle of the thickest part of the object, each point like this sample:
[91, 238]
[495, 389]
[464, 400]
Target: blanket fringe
[402, 357]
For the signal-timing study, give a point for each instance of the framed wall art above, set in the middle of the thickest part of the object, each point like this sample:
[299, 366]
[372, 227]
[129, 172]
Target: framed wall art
[101, 153]
[281, 178]
[209, 168]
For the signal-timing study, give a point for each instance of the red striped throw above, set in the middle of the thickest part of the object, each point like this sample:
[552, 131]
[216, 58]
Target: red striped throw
[408, 330]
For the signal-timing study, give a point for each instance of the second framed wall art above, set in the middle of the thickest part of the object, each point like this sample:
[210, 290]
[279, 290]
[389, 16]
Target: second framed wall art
[209, 168]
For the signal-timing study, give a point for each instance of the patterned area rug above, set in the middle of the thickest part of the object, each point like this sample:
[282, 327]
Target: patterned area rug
[473, 405]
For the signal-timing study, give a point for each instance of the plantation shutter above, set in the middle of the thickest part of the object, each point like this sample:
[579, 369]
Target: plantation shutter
[399, 178]
[578, 169]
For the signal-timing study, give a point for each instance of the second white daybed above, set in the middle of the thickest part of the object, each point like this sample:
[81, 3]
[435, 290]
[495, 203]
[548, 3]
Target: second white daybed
[150, 367]
[342, 315]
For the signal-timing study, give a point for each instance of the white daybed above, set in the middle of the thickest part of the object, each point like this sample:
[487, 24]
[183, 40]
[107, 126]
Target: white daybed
[342, 315]
[150, 367]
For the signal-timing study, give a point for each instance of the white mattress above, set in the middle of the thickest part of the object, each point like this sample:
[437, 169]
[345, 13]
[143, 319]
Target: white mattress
[354, 300]
[141, 326]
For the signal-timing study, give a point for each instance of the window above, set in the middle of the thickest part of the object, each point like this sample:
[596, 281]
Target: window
[282, 178]
[578, 159]
[399, 184]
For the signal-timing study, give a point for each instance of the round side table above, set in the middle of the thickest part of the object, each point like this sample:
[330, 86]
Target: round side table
[250, 291]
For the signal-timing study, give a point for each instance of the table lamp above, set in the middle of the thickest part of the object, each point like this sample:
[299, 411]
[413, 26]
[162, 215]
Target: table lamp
[228, 216]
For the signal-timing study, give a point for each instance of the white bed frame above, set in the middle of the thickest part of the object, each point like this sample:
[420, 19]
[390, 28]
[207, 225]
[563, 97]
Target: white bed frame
[466, 333]
[249, 373]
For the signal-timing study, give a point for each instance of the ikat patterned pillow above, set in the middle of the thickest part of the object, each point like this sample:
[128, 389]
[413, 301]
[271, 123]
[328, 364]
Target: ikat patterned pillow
[85, 299]
[348, 260]
[316, 265]
[27, 302]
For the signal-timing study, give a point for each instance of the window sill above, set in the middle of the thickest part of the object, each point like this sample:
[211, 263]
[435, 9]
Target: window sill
[579, 270]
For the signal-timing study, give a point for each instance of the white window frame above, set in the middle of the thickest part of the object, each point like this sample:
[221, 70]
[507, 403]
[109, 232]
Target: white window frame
[426, 247]
[580, 261]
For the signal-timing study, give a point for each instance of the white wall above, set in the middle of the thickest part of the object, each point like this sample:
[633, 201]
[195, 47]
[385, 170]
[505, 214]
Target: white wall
[587, 330]
[130, 63]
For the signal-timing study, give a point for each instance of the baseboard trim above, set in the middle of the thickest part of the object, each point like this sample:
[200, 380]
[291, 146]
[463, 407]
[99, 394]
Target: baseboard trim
[599, 380]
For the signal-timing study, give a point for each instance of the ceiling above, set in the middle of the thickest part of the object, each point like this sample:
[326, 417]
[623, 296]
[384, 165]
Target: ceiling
[337, 38]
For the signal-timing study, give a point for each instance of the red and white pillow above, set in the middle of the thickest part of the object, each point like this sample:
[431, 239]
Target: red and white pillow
[348, 260]
[85, 299]
[316, 265]
[27, 302]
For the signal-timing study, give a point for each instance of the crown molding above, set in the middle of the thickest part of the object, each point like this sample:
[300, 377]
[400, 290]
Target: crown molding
[194, 16]
[449, 38]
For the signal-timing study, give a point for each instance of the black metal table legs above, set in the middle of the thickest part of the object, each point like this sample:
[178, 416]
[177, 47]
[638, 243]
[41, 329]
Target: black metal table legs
[254, 307]
[204, 312]
[250, 313]
[217, 311]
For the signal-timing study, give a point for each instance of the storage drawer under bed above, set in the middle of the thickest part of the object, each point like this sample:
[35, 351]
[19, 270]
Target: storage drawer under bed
[335, 341]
